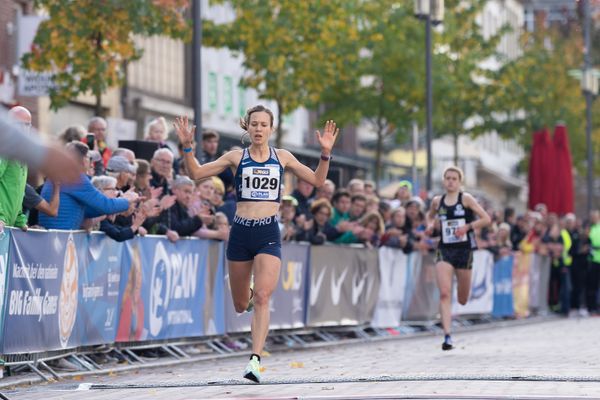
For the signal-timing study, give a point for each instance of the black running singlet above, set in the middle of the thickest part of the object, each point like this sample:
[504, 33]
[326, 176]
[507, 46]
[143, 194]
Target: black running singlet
[452, 217]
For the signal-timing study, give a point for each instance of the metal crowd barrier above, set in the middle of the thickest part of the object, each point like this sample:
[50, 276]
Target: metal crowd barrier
[72, 293]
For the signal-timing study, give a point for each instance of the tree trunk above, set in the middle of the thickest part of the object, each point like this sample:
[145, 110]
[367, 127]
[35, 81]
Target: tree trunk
[124, 90]
[279, 138]
[455, 137]
[97, 90]
[98, 106]
[378, 154]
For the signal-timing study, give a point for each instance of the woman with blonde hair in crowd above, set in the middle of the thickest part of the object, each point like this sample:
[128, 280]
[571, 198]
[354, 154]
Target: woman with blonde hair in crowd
[372, 203]
[157, 131]
[226, 206]
[502, 245]
[454, 214]
[321, 230]
[373, 228]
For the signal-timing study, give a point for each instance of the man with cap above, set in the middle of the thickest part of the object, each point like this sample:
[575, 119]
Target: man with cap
[122, 170]
[403, 194]
[287, 226]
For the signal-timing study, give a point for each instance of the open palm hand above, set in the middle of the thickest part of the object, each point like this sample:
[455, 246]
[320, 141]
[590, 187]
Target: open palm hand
[327, 139]
[185, 131]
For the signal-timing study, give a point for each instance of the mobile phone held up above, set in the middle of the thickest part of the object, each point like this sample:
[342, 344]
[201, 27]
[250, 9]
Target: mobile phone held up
[89, 140]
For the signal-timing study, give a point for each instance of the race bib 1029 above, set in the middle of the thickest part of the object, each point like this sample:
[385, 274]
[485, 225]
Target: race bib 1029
[260, 183]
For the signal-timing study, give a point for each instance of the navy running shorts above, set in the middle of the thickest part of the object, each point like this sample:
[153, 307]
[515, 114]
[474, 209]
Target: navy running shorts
[459, 258]
[249, 237]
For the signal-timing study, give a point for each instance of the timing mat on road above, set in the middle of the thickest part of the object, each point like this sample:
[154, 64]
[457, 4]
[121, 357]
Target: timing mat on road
[325, 380]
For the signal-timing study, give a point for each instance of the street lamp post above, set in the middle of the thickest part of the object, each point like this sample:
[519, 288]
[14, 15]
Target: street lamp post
[589, 84]
[432, 12]
[197, 72]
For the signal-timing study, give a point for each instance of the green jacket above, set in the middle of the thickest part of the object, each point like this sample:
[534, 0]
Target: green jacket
[336, 217]
[13, 177]
[595, 241]
[346, 237]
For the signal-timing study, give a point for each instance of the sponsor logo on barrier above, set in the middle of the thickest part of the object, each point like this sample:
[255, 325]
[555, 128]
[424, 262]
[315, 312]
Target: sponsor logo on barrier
[357, 286]
[315, 287]
[293, 280]
[336, 286]
[67, 309]
[504, 287]
[479, 285]
[297, 305]
[173, 277]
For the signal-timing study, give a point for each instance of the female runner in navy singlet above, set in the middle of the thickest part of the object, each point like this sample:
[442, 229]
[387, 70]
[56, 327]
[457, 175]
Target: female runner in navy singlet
[456, 212]
[255, 242]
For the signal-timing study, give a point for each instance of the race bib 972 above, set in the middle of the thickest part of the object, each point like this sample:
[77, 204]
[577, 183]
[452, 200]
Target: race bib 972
[449, 231]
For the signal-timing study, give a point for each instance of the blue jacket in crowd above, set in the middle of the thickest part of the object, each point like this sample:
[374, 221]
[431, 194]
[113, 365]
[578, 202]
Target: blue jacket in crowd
[115, 231]
[77, 202]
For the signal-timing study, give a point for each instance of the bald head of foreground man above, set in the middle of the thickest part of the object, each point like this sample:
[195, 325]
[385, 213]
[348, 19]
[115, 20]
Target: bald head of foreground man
[21, 115]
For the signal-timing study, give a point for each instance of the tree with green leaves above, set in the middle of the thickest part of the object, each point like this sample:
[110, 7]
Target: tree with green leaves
[85, 43]
[463, 80]
[387, 90]
[538, 92]
[393, 47]
[292, 50]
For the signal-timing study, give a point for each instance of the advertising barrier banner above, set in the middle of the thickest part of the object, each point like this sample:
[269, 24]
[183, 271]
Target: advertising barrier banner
[287, 302]
[214, 300]
[99, 280]
[481, 298]
[63, 289]
[393, 265]
[43, 290]
[503, 291]
[422, 295]
[288, 299]
[343, 285]
[4, 243]
[521, 283]
[539, 281]
[162, 289]
[234, 322]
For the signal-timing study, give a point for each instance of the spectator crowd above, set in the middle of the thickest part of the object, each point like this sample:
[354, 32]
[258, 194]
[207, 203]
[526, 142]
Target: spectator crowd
[124, 195]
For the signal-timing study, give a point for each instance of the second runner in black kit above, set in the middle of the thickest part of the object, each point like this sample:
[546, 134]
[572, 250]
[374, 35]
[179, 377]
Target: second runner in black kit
[455, 211]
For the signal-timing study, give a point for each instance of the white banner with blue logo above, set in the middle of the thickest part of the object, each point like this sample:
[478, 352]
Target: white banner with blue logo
[481, 299]
[162, 289]
[99, 278]
[393, 266]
